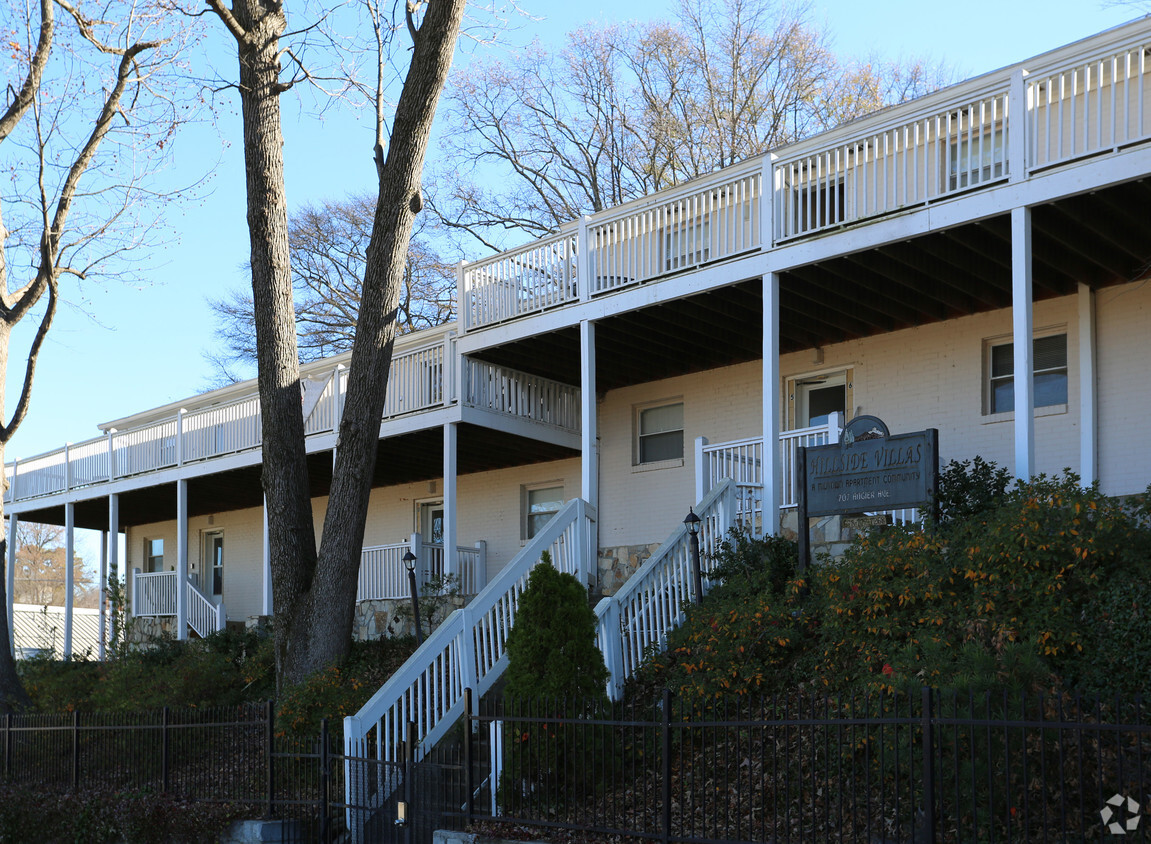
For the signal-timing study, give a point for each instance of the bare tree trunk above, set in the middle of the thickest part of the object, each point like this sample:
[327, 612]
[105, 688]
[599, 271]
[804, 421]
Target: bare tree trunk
[326, 633]
[314, 595]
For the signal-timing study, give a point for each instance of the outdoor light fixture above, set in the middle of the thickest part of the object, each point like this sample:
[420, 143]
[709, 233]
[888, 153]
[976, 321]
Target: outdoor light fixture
[410, 562]
[691, 522]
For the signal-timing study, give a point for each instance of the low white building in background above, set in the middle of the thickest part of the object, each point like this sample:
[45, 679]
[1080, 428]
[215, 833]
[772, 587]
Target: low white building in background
[909, 265]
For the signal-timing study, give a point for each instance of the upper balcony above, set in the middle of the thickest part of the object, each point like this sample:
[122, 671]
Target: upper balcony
[1089, 99]
[426, 376]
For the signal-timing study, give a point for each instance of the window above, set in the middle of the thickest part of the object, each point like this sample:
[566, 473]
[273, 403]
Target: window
[686, 244]
[659, 433]
[153, 555]
[540, 504]
[1050, 378]
[976, 153]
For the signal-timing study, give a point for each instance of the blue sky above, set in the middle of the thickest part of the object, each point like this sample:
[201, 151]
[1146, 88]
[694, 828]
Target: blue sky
[118, 349]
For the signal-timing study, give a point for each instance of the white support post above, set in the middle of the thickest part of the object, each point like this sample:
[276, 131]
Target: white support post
[589, 464]
[69, 577]
[1018, 110]
[13, 524]
[114, 560]
[336, 399]
[450, 365]
[180, 436]
[13, 490]
[589, 442]
[585, 273]
[182, 559]
[702, 475]
[134, 591]
[772, 478]
[67, 467]
[451, 546]
[1022, 333]
[767, 204]
[266, 568]
[1088, 406]
[481, 573]
[109, 435]
[834, 427]
[461, 298]
[102, 642]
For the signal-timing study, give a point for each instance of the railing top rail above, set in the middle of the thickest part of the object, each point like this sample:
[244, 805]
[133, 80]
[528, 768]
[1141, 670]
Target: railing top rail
[749, 166]
[1119, 39]
[55, 451]
[565, 232]
[712, 447]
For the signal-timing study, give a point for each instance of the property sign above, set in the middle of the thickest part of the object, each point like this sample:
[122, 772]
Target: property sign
[886, 473]
[869, 470]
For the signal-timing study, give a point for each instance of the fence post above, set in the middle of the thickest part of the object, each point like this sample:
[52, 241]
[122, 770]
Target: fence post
[665, 765]
[325, 782]
[75, 750]
[270, 810]
[409, 769]
[165, 752]
[702, 475]
[7, 745]
[469, 783]
[926, 718]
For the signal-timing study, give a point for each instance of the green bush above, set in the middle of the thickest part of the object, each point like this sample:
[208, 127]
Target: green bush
[555, 670]
[1033, 586]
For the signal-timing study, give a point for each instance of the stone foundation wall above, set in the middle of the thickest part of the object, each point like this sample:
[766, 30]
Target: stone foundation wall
[617, 564]
[392, 617]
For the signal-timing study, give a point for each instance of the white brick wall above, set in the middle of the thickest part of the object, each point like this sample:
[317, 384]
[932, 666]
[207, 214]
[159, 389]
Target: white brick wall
[913, 379]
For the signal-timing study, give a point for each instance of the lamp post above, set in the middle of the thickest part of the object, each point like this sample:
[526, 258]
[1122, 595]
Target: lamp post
[410, 562]
[691, 522]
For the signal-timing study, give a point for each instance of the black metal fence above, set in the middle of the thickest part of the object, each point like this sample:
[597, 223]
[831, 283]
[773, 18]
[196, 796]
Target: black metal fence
[231, 755]
[890, 768]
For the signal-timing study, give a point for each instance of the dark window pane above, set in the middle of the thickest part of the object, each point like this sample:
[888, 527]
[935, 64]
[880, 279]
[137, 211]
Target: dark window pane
[1003, 396]
[656, 447]
[1050, 388]
[824, 401]
[1050, 352]
[1002, 360]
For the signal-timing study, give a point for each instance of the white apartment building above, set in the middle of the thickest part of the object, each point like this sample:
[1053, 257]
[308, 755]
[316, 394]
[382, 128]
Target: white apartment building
[909, 265]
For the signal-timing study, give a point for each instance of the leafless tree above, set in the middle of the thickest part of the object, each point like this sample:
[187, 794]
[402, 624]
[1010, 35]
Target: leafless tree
[86, 120]
[328, 244]
[314, 588]
[41, 572]
[622, 111]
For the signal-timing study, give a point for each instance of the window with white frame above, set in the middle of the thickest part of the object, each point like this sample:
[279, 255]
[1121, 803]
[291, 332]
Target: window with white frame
[1049, 357]
[686, 244]
[153, 555]
[659, 433]
[540, 503]
[977, 156]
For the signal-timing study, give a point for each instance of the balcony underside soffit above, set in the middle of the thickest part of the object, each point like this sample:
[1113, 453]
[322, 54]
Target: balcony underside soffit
[411, 458]
[1100, 239]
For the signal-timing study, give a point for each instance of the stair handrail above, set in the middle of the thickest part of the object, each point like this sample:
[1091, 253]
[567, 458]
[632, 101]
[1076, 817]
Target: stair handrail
[204, 616]
[466, 651]
[650, 604]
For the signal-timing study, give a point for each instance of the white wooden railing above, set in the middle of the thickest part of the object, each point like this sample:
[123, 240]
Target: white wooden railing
[466, 651]
[521, 281]
[651, 603]
[154, 595]
[204, 616]
[421, 379]
[676, 230]
[742, 462]
[384, 576]
[1098, 103]
[1001, 126]
[503, 390]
